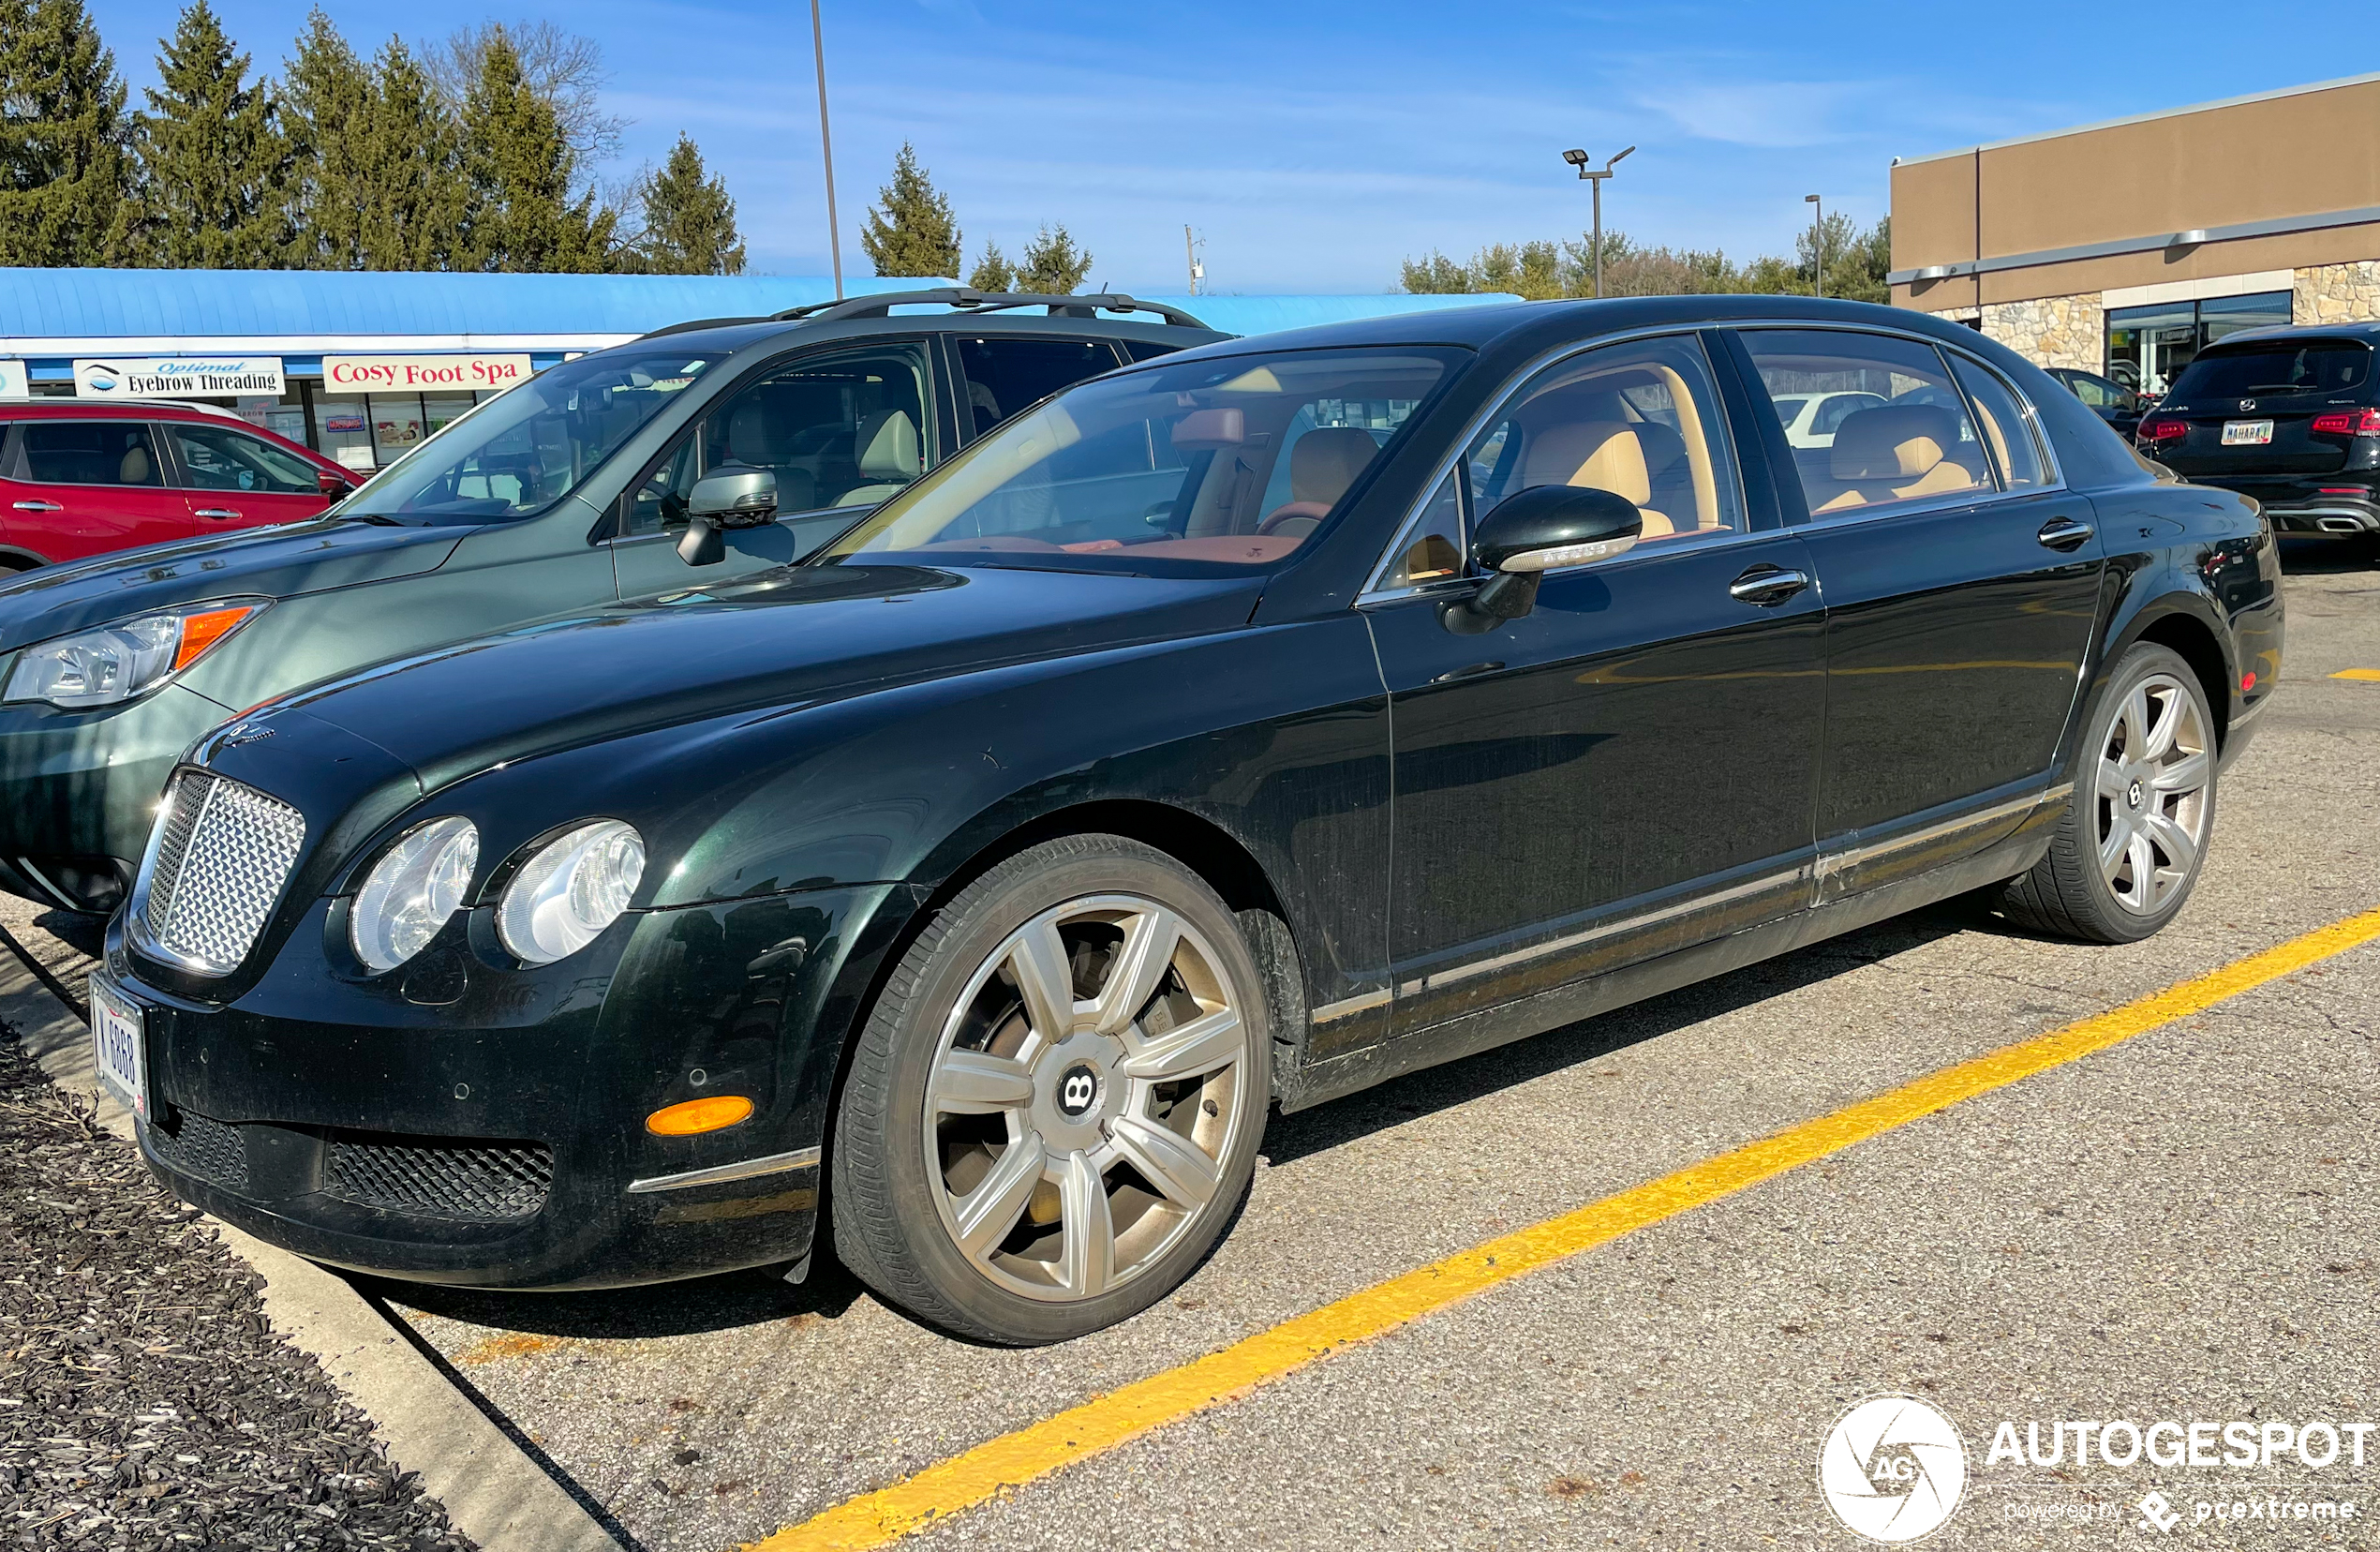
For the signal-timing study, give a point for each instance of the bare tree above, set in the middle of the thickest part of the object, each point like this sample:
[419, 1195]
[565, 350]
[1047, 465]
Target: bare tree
[563, 67]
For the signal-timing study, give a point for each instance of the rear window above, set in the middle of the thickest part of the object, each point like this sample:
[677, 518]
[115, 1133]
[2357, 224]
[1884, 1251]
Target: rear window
[2278, 367]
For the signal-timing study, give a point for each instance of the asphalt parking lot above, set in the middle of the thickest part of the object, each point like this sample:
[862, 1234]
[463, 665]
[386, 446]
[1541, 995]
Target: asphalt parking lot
[2179, 1227]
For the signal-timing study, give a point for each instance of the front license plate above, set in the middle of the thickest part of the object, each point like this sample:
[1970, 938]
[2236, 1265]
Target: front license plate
[121, 1055]
[2246, 433]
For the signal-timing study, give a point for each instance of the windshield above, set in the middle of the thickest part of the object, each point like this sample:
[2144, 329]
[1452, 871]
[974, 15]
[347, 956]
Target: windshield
[2314, 367]
[1229, 462]
[527, 449]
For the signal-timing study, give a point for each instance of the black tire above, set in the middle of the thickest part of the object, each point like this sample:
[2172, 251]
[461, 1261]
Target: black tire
[890, 1191]
[2067, 894]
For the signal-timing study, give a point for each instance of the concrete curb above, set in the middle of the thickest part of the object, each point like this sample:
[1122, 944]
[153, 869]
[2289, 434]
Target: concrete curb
[495, 1490]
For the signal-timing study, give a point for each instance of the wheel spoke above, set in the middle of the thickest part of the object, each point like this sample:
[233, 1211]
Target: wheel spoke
[2111, 780]
[977, 1082]
[1197, 1047]
[2181, 847]
[2136, 722]
[2160, 741]
[1089, 1232]
[2144, 869]
[2112, 844]
[1171, 1162]
[1044, 979]
[2183, 777]
[1140, 963]
[988, 1213]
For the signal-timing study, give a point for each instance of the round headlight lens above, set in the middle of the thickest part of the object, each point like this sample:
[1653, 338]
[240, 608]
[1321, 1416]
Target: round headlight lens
[570, 891]
[412, 892]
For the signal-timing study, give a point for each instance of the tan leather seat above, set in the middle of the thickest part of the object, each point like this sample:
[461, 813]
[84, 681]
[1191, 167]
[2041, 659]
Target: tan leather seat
[1322, 464]
[1596, 455]
[888, 456]
[1897, 452]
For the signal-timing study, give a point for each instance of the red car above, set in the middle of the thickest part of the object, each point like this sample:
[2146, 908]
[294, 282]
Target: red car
[80, 479]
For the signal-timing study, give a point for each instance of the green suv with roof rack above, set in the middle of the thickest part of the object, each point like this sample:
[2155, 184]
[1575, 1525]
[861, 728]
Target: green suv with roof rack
[692, 455]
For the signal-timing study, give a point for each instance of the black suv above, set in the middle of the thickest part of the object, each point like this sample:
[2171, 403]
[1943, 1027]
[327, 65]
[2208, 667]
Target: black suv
[2289, 416]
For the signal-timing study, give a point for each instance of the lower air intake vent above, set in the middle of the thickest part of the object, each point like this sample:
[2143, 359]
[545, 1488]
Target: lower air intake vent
[470, 1180]
[195, 1144]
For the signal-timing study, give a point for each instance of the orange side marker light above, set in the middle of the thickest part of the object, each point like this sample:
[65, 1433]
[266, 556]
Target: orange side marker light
[694, 1116]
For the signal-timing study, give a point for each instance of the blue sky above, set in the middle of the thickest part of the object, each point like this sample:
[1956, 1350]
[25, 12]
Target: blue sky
[1314, 146]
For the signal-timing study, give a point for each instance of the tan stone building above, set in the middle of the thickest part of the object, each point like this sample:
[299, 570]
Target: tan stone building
[2124, 248]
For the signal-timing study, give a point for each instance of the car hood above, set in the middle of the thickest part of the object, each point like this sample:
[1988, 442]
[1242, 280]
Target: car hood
[271, 563]
[773, 642]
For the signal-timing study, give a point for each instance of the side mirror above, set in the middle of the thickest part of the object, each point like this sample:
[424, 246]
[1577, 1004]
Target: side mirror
[1533, 532]
[332, 485]
[733, 498]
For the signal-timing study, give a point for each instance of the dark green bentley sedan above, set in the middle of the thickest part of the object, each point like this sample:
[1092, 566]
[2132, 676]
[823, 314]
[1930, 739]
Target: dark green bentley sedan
[1232, 731]
[570, 490]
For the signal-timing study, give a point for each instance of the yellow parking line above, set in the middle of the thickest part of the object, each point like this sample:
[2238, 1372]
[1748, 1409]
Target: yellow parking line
[2372, 674]
[879, 1518]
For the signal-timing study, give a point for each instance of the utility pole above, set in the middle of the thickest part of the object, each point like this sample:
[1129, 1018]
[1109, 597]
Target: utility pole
[1818, 238]
[1190, 252]
[1579, 159]
[826, 146]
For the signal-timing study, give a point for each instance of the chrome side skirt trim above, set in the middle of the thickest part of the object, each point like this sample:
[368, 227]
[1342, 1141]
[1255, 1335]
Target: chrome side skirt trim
[1832, 863]
[1346, 1006]
[800, 1158]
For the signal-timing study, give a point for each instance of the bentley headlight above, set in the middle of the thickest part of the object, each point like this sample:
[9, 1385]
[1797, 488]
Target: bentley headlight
[108, 664]
[571, 891]
[412, 892]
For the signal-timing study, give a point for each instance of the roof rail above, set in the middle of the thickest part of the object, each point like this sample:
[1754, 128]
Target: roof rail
[968, 299]
[698, 324]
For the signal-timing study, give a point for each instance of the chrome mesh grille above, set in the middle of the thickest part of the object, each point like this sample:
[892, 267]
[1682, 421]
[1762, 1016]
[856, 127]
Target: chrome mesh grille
[224, 851]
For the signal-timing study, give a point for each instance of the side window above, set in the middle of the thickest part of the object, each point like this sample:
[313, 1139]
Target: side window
[1431, 547]
[1005, 374]
[216, 457]
[1146, 350]
[93, 452]
[847, 429]
[1906, 437]
[2007, 422]
[1639, 420]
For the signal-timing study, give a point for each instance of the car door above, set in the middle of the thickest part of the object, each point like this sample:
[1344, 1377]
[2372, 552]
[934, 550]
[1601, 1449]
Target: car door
[82, 488]
[236, 480]
[1962, 592]
[1630, 766]
[842, 427]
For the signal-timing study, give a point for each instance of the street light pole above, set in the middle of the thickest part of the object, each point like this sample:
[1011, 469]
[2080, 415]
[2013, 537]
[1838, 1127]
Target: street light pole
[1818, 239]
[1579, 161]
[826, 146]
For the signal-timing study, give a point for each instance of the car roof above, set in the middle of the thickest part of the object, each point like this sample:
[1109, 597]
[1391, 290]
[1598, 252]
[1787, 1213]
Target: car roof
[2367, 332]
[82, 408]
[967, 311]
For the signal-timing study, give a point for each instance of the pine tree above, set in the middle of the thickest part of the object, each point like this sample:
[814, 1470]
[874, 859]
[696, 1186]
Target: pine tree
[915, 232]
[522, 169]
[210, 162]
[689, 220]
[416, 197]
[62, 136]
[1052, 265]
[328, 102]
[993, 272]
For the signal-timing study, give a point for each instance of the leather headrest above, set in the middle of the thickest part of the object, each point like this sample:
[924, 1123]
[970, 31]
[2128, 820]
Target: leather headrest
[1326, 461]
[751, 434]
[1601, 454]
[134, 467]
[1211, 430]
[888, 446]
[1892, 442]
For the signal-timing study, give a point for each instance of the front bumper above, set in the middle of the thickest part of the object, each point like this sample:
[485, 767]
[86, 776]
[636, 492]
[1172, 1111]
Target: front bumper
[473, 1127]
[78, 790]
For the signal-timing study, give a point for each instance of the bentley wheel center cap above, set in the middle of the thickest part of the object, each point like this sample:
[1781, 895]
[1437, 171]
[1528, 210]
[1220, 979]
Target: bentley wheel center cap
[1079, 1089]
[2133, 794]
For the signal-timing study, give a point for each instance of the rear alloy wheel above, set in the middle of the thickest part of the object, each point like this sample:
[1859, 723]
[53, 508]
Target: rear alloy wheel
[2130, 847]
[1054, 1112]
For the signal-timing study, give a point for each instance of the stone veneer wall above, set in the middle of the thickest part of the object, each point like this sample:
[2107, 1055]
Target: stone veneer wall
[2052, 331]
[2336, 293]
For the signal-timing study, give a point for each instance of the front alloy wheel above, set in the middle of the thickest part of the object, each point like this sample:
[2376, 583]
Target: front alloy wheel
[1054, 1110]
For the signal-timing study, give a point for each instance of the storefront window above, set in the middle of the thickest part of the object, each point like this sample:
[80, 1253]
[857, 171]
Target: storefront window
[2148, 347]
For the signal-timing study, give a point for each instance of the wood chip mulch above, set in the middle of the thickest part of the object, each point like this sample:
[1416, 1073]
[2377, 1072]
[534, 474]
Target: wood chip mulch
[145, 1402]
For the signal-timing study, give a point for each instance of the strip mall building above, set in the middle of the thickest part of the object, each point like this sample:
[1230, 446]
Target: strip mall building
[361, 366]
[2124, 248]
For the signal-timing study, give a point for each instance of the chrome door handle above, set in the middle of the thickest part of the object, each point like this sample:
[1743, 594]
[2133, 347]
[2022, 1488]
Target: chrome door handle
[218, 512]
[39, 506]
[2064, 534]
[1767, 585]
